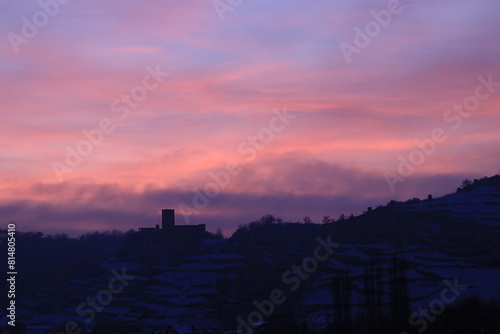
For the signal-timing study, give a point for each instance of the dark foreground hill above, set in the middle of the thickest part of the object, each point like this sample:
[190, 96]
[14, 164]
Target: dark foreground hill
[428, 266]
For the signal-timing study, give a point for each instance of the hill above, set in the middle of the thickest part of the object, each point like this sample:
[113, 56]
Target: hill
[407, 266]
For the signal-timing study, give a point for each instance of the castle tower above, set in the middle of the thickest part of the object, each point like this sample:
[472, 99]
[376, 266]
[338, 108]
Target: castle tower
[167, 219]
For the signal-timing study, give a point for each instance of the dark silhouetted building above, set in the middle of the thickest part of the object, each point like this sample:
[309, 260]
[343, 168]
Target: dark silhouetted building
[167, 218]
[168, 227]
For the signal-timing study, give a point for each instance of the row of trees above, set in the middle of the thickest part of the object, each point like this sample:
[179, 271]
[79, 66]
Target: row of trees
[386, 302]
[270, 219]
[386, 307]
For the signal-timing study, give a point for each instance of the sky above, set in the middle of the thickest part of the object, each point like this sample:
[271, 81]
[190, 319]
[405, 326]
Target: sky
[229, 110]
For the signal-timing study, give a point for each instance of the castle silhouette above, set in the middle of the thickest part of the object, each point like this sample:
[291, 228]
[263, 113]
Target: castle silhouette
[168, 226]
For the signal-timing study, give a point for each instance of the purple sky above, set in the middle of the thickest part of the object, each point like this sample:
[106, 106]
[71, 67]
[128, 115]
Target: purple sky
[317, 115]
